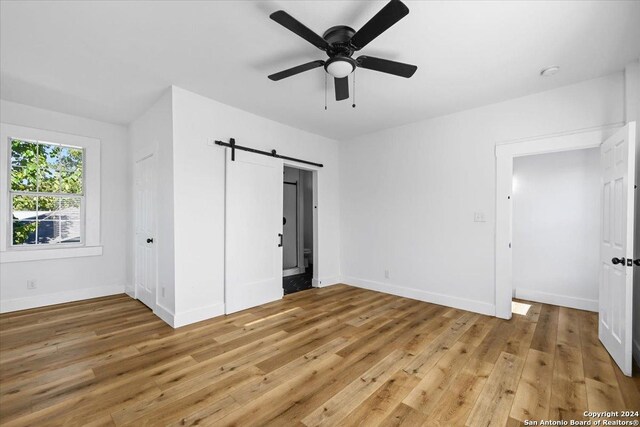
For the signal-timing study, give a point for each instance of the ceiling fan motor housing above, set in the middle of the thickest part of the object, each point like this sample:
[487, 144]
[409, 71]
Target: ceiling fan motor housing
[338, 38]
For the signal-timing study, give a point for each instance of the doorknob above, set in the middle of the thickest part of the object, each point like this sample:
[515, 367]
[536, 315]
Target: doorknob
[618, 261]
[637, 262]
[280, 244]
[150, 240]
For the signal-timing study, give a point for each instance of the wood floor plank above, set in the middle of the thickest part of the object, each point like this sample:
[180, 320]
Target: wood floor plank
[544, 337]
[456, 403]
[335, 409]
[568, 391]
[332, 356]
[437, 380]
[404, 415]
[425, 360]
[533, 395]
[603, 397]
[494, 404]
[383, 402]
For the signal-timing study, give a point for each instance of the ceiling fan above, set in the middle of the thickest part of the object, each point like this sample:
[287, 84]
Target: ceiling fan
[340, 42]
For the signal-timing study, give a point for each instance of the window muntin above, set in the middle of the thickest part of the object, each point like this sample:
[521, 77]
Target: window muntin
[46, 194]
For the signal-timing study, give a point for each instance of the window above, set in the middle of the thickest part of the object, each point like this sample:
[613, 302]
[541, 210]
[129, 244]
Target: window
[49, 194]
[46, 193]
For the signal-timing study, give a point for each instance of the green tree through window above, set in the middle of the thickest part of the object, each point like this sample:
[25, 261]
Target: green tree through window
[46, 192]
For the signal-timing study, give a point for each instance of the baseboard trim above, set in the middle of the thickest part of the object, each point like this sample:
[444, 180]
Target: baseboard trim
[43, 300]
[555, 299]
[420, 295]
[197, 315]
[326, 281]
[636, 351]
[165, 314]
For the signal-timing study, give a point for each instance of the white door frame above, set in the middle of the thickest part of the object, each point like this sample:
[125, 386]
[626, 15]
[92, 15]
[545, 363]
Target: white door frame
[505, 153]
[138, 157]
[299, 268]
[315, 172]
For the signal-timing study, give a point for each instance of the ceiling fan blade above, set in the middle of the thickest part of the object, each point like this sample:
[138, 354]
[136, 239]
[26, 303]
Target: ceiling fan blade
[292, 24]
[394, 11]
[342, 88]
[386, 66]
[296, 70]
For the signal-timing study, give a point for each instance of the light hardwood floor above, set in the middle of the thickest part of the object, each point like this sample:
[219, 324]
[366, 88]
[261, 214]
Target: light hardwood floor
[332, 356]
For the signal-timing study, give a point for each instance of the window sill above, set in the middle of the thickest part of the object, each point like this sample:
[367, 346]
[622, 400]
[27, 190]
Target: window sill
[43, 254]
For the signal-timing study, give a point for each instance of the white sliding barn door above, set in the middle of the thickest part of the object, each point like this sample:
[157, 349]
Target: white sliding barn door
[616, 246]
[145, 257]
[253, 236]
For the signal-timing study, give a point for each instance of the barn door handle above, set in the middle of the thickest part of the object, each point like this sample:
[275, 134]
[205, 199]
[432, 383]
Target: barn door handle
[280, 244]
[616, 261]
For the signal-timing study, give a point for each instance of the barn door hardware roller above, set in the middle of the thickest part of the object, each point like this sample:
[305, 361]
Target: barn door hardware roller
[232, 144]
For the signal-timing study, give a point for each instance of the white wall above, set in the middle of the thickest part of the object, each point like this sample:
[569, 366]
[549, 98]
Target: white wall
[199, 185]
[556, 228]
[408, 194]
[153, 133]
[62, 280]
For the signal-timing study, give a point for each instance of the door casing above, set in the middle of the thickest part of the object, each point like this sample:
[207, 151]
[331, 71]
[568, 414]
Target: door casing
[505, 152]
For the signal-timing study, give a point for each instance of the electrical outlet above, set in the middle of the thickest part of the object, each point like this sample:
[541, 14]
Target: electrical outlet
[31, 284]
[478, 217]
[387, 274]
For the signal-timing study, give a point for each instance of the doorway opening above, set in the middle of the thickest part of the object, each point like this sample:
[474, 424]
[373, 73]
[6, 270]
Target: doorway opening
[616, 246]
[556, 228]
[297, 230]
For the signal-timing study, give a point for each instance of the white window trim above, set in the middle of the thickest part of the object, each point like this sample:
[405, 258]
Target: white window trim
[91, 245]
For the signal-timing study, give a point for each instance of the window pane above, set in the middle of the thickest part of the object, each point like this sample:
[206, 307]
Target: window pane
[49, 179]
[24, 215]
[25, 207]
[48, 232]
[70, 158]
[47, 206]
[22, 152]
[71, 181]
[24, 179]
[70, 208]
[24, 165]
[24, 232]
[70, 232]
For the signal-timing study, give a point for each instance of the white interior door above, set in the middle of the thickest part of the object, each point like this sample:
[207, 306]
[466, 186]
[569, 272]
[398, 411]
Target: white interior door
[253, 246]
[616, 246]
[145, 257]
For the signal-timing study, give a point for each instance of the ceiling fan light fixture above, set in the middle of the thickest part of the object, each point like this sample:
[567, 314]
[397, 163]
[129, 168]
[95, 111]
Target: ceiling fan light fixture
[340, 67]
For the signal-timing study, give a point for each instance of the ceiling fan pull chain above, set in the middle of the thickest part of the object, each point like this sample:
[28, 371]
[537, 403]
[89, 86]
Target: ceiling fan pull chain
[325, 91]
[354, 89]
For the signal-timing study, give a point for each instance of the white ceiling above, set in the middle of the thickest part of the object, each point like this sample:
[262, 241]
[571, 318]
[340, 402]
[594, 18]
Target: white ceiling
[111, 60]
